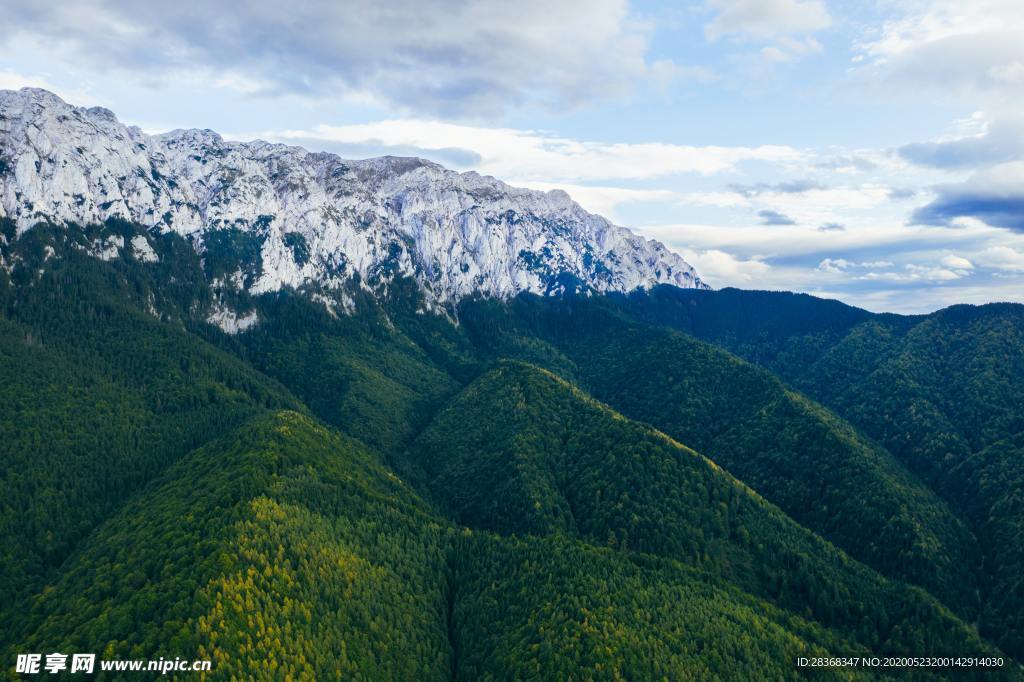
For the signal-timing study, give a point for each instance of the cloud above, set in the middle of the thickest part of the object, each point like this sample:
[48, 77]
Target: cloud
[602, 200]
[831, 227]
[455, 59]
[800, 200]
[937, 274]
[785, 187]
[765, 18]
[11, 80]
[725, 269]
[871, 240]
[995, 196]
[950, 267]
[911, 273]
[1002, 142]
[866, 264]
[790, 49]
[769, 217]
[957, 262]
[841, 265]
[833, 265]
[1001, 258]
[847, 163]
[924, 297]
[899, 193]
[780, 25]
[951, 47]
[537, 156]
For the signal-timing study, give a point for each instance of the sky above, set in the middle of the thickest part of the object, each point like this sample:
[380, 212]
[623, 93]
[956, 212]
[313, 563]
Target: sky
[867, 151]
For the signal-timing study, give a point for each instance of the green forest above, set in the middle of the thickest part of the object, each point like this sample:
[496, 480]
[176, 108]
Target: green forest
[667, 485]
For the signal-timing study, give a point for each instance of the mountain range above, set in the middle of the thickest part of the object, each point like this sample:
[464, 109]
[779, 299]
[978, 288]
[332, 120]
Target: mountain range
[377, 420]
[313, 220]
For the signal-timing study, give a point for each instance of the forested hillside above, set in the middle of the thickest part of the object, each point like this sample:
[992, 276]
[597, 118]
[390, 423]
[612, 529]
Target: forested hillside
[279, 549]
[99, 398]
[522, 452]
[944, 393]
[797, 454]
[545, 488]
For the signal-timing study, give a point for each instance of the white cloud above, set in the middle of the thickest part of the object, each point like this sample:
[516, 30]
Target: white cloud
[836, 265]
[1011, 73]
[766, 18]
[882, 238]
[833, 265]
[11, 80]
[790, 49]
[898, 267]
[911, 273]
[536, 156]
[811, 205]
[980, 143]
[924, 297]
[957, 262]
[725, 269]
[602, 200]
[774, 54]
[934, 273]
[994, 195]
[950, 46]
[1001, 258]
[722, 268]
[455, 59]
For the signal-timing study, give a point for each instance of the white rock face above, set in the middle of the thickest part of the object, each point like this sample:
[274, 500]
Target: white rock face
[318, 220]
[229, 321]
[142, 250]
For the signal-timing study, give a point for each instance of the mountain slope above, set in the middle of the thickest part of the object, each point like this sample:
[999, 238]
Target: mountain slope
[312, 219]
[283, 548]
[943, 392]
[795, 453]
[361, 373]
[280, 549]
[522, 452]
[947, 397]
[99, 397]
[553, 608]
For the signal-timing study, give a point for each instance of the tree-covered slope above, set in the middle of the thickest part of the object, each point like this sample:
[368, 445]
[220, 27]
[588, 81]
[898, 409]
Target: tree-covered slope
[775, 329]
[947, 397]
[554, 608]
[98, 398]
[520, 451]
[794, 452]
[944, 393]
[281, 549]
[355, 369]
[992, 493]
[360, 373]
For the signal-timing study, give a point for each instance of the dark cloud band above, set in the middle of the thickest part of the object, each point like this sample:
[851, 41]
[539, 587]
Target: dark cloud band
[428, 56]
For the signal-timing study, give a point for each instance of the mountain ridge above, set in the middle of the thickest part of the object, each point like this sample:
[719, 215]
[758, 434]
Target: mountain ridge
[312, 219]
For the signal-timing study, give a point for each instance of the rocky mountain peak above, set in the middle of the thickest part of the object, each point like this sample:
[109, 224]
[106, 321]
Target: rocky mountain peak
[314, 219]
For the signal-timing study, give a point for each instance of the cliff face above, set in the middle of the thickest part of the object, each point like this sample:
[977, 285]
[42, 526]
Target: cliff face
[315, 218]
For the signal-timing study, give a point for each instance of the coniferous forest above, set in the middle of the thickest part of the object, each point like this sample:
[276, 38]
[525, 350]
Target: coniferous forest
[666, 485]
